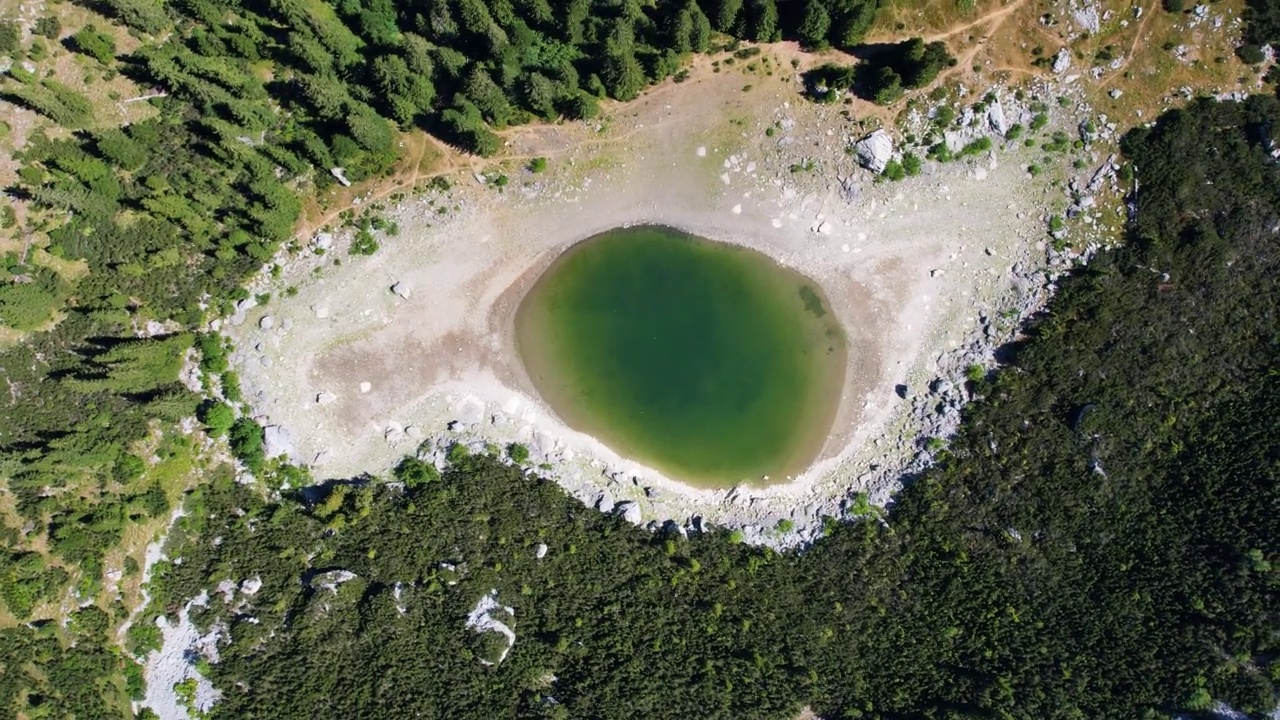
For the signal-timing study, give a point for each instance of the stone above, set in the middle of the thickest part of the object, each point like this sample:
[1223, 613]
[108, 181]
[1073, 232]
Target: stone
[1062, 61]
[604, 502]
[995, 118]
[267, 322]
[325, 398]
[322, 241]
[276, 441]
[874, 151]
[629, 511]
[402, 289]
[540, 551]
[340, 175]
[251, 586]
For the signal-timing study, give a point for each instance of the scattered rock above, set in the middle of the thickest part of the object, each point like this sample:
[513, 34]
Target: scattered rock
[402, 289]
[267, 322]
[874, 151]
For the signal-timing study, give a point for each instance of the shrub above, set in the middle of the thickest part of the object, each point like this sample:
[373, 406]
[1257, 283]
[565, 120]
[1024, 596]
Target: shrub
[48, 26]
[537, 165]
[10, 37]
[97, 45]
[911, 164]
[217, 417]
[518, 453]
[248, 444]
[415, 473]
[893, 170]
[363, 243]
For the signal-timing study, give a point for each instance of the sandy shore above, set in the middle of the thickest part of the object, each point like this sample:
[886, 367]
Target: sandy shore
[356, 376]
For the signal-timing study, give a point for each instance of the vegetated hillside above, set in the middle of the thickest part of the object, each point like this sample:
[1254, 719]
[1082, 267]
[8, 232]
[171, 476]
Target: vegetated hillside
[1099, 541]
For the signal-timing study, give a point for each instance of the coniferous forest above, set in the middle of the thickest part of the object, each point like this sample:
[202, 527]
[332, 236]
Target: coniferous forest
[1099, 540]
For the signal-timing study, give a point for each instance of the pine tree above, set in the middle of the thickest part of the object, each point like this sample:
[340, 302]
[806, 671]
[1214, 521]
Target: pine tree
[727, 12]
[764, 20]
[814, 25]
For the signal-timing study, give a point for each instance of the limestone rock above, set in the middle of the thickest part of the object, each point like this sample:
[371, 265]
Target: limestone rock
[874, 151]
[402, 289]
[340, 175]
[325, 398]
[995, 118]
[276, 441]
[1062, 61]
[251, 586]
[267, 322]
[604, 502]
[540, 551]
[629, 511]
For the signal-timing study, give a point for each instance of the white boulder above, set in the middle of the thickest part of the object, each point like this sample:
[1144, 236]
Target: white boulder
[874, 151]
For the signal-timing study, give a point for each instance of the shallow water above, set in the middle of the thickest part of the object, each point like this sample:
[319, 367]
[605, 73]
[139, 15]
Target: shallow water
[707, 361]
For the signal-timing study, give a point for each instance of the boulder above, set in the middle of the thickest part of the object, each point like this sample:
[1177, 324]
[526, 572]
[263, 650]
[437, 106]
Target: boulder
[995, 118]
[874, 151]
[402, 289]
[267, 322]
[540, 551]
[332, 579]
[251, 586]
[629, 511]
[1062, 61]
[604, 502]
[325, 398]
[339, 174]
[276, 441]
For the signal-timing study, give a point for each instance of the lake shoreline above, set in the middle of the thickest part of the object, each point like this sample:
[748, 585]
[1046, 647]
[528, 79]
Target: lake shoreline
[366, 374]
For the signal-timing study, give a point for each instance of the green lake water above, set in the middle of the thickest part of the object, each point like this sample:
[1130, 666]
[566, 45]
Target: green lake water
[707, 361]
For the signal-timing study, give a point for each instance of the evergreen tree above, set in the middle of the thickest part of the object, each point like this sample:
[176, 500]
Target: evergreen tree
[700, 40]
[814, 25]
[622, 75]
[764, 20]
[726, 16]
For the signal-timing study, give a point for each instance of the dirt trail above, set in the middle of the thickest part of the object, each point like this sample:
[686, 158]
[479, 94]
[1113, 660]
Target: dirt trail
[987, 17]
[1147, 12]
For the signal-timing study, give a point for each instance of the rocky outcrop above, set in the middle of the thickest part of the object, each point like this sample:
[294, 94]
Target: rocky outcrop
[874, 151]
[995, 118]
